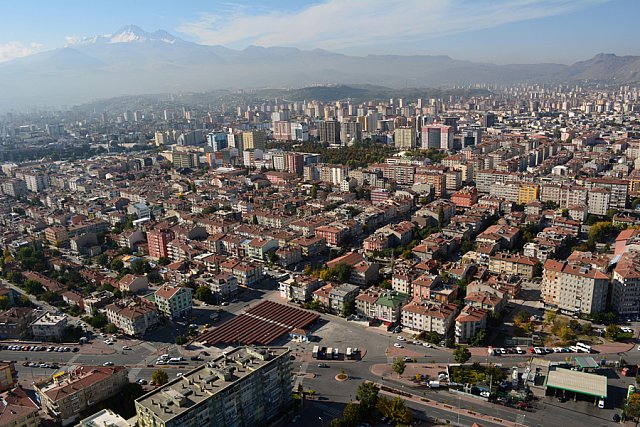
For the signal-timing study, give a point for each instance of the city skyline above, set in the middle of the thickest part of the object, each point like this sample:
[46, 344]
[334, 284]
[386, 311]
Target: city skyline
[509, 31]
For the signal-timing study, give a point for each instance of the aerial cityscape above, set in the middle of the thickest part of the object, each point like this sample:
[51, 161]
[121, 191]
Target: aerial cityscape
[320, 213]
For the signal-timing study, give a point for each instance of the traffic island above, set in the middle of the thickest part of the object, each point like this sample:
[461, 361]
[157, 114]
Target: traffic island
[341, 377]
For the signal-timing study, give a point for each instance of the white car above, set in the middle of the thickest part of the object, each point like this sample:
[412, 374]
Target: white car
[400, 338]
[126, 347]
[397, 345]
[107, 364]
[519, 350]
[427, 345]
[108, 342]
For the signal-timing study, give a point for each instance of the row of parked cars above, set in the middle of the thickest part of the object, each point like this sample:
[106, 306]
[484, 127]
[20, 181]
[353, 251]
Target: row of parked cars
[540, 350]
[38, 348]
[41, 365]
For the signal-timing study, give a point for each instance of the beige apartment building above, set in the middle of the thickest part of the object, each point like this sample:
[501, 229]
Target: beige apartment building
[428, 317]
[248, 386]
[574, 288]
[65, 395]
[625, 299]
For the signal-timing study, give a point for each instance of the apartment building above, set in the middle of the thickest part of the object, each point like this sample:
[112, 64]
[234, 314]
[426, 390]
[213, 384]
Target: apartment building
[174, 301]
[8, 376]
[247, 386]
[381, 304]
[158, 241]
[469, 322]
[133, 319]
[404, 138]
[625, 299]
[65, 395]
[506, 263]
[574, 287]
[429, 317]
[49, 327]
[17, 409]
[617, 187]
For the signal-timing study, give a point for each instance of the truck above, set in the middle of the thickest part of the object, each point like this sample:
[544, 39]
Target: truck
[316, 350]
[434, 384]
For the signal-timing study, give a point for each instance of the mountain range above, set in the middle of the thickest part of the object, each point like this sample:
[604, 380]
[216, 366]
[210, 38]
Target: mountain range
[133, 61]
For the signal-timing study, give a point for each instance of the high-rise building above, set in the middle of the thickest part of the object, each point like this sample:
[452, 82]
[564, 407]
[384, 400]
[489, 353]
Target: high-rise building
[404, 138]
[300, 131]
[247, 386]
[329, 131]
[282, 131]
[350, 131]
[254, 139]
[36, 182]
[437, 136]
[217, 141]
[158, 241]
[294, 163]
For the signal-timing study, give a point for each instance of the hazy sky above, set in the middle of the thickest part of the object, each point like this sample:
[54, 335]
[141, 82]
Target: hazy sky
[500, 31]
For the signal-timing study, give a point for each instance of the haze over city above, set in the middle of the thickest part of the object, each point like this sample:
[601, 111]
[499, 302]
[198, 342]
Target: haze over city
[344, 213]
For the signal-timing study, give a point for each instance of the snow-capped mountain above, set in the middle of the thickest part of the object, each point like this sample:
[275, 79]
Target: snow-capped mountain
[127, 34]
[133, 61]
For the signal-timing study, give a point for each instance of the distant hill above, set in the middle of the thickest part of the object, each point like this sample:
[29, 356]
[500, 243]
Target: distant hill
[133, 61]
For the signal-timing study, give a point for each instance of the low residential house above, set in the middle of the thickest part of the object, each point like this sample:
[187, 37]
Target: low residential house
[429, 317]
[381, 304]
[133, 318]
[299, 287]
[49, 327]
[246, 272]
[289, 255]
[503, 235]
[310, 246]
[335, 234]
[132, 283]
[341, 296]
[174, 301]
[65, 396]
[224, 285]
[73, 298]
[469, 322]
[363, 272]
[259, 248]
[486, 300]
[15, 323]
[130, 238]
[97, 300]
[505, 263]
[17, 409]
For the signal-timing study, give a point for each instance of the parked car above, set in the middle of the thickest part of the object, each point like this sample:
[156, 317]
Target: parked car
[398, 345]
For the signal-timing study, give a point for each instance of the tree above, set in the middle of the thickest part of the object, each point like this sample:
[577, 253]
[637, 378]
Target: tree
[461, 354]
[398, 366]
[632, 407]
[314, 191]
[351, 415]
[159, 377]
[102, 260]
[204, 294]
[111, 328]
[348, 308]
[522, 317]
[613, 331]
[367, 396]
[550, 316]
[479, 337]
[181, 340]
[4, 302]
[395, 410]
[138, 266]
[116, 264]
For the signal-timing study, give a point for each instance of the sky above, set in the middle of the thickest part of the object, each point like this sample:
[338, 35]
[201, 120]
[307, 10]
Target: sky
[497, 31]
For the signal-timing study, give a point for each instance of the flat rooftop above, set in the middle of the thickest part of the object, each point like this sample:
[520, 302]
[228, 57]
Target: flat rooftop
[194, 387]
[576, 381]
[586, 362]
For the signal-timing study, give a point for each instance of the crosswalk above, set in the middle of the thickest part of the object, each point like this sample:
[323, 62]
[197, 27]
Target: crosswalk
[328, 410]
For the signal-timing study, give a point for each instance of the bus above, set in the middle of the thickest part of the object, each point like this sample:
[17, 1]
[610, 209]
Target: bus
[583, 347]
[348, 354]
[316, 350]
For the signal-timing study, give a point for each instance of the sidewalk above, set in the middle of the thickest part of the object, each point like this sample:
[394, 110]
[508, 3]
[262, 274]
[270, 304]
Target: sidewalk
[444, 407]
